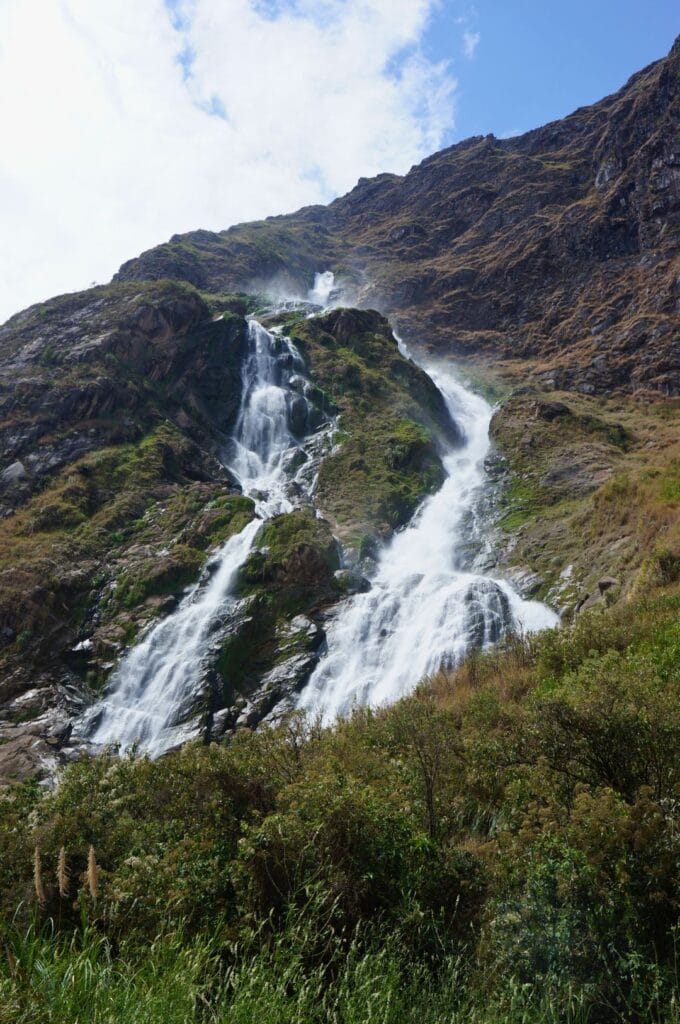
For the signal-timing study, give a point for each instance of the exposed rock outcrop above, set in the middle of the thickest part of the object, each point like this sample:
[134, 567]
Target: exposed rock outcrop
[560, 245]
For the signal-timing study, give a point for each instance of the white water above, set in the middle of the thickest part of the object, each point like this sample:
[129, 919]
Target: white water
[423, 611]
[155, 684]
[320, 293]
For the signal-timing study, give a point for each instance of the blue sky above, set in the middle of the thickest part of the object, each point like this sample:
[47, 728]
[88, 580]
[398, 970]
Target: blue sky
[134, 120]
[538, 60]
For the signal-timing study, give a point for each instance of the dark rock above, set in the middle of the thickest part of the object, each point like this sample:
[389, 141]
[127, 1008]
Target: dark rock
[606, 583]
[551, 410]
[297, 416]
[278, 685]
[223, 722]
[351, 582]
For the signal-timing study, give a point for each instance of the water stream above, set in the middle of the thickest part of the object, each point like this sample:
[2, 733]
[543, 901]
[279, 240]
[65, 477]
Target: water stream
[425, 607]
[154, 686]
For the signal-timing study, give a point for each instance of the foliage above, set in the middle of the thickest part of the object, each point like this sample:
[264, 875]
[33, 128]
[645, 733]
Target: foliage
[502, 845]
[391, 415]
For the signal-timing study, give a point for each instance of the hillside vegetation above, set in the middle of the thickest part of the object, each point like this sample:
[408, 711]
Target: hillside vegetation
[501, 846]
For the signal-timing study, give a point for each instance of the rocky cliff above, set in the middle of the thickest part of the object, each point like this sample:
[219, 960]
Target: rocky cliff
[116, 412]
[559, 246]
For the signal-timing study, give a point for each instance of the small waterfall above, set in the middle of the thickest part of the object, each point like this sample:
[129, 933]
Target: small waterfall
[161, 678]
[320, 293]
[424, 609]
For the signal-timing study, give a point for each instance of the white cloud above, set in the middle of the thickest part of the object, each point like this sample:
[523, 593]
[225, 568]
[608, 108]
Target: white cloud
[470, 43]
[125, 122]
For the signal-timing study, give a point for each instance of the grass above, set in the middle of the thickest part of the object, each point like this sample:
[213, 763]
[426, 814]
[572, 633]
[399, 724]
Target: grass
[500, 846]
[594, 486]
[47, 980]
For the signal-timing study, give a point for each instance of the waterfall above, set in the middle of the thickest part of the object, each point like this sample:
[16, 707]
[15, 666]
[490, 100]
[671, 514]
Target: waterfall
[424, 609]
[161, 678]
[320, 293]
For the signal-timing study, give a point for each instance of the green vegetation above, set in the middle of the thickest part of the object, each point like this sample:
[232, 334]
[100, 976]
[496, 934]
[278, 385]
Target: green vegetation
[591, 484]
[380, 474]
[152, 578]
[391, 418]
[133, 516]
[502, 846]
[292, 567]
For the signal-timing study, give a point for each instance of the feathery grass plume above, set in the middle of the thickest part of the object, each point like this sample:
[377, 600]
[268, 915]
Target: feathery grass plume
[92, 874]
[62, 873]
[37, 878]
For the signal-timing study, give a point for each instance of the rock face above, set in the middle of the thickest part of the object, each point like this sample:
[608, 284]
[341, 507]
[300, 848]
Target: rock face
[560, 246]
[116, 413]
[99, 367]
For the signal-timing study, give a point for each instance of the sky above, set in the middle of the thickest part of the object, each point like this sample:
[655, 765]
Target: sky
[124, 122]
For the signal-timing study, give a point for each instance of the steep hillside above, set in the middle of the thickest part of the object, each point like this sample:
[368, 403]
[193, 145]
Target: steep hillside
[559, 247]
[502, 844]
[117, 407]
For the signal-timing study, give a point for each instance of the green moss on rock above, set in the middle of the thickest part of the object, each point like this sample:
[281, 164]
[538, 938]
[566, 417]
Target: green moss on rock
[159, 576]
[392, 422]
[221, 519]
[375, 481]
[294, 563]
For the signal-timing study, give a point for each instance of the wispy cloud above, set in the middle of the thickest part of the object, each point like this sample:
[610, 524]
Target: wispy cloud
[470, 43]
[131, 121]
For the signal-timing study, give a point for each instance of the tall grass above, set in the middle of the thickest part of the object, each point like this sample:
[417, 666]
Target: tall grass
[46, 980]
[378, 986]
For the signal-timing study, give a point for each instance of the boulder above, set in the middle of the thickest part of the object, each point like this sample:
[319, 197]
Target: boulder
[525, 580]
[15, 472]
[351, 582]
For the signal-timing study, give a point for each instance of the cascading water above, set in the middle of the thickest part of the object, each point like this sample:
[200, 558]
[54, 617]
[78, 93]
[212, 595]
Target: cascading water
[157, 680]
[320, 293]
[423, 609]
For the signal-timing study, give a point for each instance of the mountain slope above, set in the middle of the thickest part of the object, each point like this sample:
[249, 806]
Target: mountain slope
[117, 406]
[559, 246]
[557, 250]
